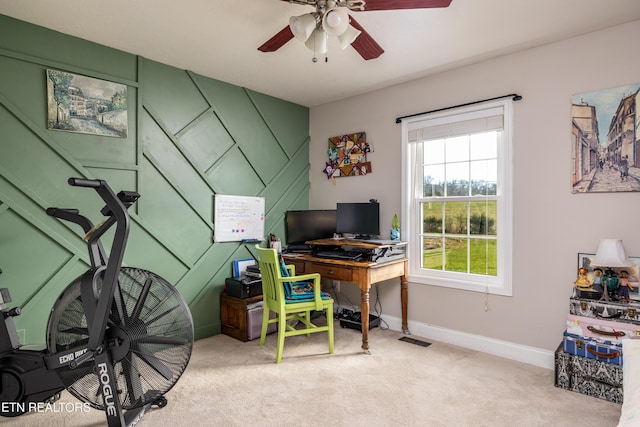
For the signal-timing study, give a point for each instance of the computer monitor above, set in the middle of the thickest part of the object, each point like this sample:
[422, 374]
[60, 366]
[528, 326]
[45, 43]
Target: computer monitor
[359, 219]
[302, 226]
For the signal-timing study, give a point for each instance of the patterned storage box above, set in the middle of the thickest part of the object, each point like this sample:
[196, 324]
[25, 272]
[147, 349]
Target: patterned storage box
[588, 376]
[603, 330]
[627, 312]
[607, 351]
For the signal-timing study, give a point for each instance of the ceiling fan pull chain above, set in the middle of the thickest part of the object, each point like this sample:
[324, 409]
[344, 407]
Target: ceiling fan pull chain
[314, 59]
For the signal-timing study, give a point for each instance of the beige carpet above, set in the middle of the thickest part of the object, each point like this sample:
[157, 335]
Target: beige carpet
[231, 383]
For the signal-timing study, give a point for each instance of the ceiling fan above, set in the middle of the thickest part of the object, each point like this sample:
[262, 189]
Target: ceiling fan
[331, 19]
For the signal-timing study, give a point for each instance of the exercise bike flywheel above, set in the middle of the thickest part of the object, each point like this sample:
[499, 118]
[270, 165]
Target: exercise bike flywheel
[149, 334]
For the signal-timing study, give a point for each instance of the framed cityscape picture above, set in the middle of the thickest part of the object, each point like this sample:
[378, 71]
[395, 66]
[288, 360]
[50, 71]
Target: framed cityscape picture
[86, 105]
[605, 146]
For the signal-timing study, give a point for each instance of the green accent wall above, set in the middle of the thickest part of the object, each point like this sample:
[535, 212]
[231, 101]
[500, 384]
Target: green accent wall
[190, 137]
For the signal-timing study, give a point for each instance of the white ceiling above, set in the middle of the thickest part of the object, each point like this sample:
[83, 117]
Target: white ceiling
[219, 38]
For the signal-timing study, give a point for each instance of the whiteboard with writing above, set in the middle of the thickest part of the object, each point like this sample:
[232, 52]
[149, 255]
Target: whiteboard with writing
[238, 218]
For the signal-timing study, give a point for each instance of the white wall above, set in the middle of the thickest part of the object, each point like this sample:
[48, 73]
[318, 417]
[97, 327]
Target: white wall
[551, 225]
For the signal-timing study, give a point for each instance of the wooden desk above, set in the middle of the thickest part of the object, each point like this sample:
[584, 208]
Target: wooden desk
[364, 274]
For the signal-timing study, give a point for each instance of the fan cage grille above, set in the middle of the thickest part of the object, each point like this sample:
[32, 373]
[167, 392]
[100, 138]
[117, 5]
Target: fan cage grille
[159, 329]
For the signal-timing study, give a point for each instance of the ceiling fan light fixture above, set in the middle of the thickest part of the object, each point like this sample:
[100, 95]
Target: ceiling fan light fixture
[302, 26]
[317, 43]
[335, 21]
[349, 36]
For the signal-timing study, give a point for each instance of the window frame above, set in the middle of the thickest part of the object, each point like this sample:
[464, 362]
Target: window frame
[411, 212]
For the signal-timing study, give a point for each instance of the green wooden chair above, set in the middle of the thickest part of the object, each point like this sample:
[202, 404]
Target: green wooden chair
[291, 297]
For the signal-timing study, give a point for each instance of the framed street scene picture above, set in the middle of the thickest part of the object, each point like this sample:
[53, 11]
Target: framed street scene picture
[605, 147]
[83, 104]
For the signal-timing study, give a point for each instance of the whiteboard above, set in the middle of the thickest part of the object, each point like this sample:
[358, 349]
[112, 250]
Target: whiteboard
[238, 218]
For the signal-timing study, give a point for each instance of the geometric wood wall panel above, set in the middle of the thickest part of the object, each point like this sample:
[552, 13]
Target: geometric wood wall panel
[46, 45]
[32, 162]
[245, 125]
[162, 208]
[163, 155]
[288, 122]
[205, 140]
[171, 94]
[35, 256]
[234, 175]
[148, 249]
[290, 180]
[190, 137]
[20, 89]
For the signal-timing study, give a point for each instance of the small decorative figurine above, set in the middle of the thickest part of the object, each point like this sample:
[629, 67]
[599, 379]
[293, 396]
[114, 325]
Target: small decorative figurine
[625, 285]
[609, 284]
[395, 228]
[583, 280]
[597, 279]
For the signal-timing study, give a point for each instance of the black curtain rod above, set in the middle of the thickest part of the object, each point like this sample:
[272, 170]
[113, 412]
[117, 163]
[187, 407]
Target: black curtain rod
[513, 96]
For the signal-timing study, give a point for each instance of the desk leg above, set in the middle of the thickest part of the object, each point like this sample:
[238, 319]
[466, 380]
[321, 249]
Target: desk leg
[364, 309]
[404, 299]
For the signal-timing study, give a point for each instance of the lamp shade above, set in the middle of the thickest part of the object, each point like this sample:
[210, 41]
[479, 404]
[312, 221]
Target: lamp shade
[611, 253]
[317, 42]
[348, 37]
[302, 26]
[335, 21]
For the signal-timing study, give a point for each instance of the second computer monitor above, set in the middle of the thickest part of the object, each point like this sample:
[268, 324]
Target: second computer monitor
[359, 219]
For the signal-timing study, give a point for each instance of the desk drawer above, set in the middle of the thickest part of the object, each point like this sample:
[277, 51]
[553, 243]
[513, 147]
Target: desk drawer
[299, 265]
[330, 271]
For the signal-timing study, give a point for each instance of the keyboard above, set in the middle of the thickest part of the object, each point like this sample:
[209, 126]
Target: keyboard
[348, 255]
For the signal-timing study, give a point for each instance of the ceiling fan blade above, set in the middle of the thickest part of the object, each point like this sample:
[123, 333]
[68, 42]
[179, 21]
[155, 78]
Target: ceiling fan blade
[277, 41]
[403, 4]
[364, 44]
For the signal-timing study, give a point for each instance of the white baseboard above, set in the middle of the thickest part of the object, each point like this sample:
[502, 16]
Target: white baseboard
[521, 353]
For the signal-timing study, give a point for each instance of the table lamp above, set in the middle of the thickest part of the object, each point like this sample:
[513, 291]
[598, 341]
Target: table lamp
[610, 253]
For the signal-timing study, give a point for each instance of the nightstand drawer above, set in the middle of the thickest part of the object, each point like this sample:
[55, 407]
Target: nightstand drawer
[331, 272]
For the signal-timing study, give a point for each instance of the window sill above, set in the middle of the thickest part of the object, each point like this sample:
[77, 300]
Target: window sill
[494, 289]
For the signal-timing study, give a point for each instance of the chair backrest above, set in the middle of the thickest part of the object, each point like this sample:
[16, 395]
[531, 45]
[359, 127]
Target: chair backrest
[269, 265]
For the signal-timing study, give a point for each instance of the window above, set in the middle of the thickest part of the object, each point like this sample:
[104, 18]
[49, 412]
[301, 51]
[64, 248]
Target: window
[457, 197]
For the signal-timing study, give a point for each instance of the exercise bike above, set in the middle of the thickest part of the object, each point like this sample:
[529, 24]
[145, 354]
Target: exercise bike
[118, 338]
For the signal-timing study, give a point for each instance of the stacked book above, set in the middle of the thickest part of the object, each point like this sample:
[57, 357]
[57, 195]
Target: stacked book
[253, 271]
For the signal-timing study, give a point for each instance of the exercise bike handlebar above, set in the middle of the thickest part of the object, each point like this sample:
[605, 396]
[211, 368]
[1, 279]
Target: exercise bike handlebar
[116, 210]
[81, 182]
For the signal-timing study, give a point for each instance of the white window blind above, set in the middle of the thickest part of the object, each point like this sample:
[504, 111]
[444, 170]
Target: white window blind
[457, 125]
